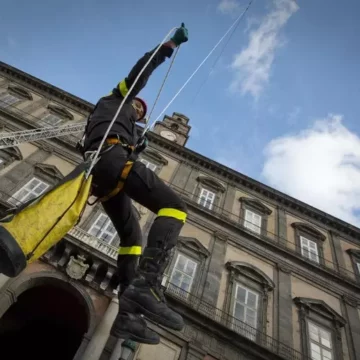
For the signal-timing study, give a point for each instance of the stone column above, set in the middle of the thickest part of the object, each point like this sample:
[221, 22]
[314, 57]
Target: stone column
[285, 323]
[281, 226]
[213, 276]
[102, 332]
[3, 280]
[353, 322]
[116, 353]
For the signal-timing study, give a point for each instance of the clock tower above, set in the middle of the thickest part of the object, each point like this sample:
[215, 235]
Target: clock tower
[174, 128]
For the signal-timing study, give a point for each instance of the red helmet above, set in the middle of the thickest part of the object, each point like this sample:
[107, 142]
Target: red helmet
[140, 107]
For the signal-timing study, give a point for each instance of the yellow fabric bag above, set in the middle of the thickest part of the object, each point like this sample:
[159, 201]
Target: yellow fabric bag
[33, 228]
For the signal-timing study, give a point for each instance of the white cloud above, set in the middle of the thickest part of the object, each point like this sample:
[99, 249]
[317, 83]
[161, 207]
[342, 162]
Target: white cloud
[320, 166]
[252, 65]
[228, 6]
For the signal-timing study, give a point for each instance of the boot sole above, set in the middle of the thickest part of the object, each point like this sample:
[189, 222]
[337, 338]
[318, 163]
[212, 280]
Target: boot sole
[157, 319]
[125, 335]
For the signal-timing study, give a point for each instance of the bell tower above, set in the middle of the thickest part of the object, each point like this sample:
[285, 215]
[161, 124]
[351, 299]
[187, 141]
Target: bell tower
[174, 128]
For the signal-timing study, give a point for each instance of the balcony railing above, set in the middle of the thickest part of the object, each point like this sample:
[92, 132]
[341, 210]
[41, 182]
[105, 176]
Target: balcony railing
[94, 242]
[230, 322]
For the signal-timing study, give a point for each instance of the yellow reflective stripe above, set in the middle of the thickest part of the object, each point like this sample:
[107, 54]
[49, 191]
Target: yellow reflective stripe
[123, 88]
[174, 213]
[131, 250]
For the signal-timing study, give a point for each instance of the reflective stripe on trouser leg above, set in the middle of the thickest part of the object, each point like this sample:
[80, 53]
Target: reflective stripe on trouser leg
[130, 250]
[173, 213]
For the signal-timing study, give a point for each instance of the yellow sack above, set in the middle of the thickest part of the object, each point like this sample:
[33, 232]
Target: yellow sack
[33, 228]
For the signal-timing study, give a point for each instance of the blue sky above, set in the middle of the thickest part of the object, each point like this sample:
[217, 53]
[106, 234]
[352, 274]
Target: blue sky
[288, 79]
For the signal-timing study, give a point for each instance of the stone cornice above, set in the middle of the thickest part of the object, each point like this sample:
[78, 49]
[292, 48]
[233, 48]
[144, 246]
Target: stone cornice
[46, 87]
[235, 178]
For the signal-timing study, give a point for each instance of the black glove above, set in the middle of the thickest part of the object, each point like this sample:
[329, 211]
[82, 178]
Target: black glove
[181, 35]
[141, 145]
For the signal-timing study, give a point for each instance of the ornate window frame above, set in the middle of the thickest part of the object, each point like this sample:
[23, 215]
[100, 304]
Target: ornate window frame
[154, 158]
[44, 172]
[254, 279]
[355, 261]
[95, 213]
[57, 110]
[9, 155]
[194, 250]
[19, 92]
[309, 232]
[210, 184]
[256, 207]
[318, 312]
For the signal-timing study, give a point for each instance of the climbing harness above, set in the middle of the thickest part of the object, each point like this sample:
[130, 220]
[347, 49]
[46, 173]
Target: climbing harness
[95, 156]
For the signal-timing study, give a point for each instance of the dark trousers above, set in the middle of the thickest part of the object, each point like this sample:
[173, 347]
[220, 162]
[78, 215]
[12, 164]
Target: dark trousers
[143, 186]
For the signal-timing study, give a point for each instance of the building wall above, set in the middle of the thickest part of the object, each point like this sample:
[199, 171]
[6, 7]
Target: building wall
[205, 225]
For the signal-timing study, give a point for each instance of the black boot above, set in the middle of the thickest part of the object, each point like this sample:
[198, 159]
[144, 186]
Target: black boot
[145, 296]
[130, 326]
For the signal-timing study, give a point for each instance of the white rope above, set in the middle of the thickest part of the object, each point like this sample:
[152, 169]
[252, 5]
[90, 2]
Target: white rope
[197, 69]
[96, 156]
[163, 83]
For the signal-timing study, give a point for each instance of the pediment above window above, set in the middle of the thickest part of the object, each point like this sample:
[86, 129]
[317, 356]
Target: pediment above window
[61, 111]
[251, 272]
[309, 230]
[194, 245]
[320, 308]
[155, 156]
[50, 170]
[21, 91]
[354, 252]
[13, 152]
[213, 184]
[256, 204]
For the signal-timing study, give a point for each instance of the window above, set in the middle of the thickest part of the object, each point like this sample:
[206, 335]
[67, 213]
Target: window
[309, 242]
[254, 215]
[246, 305]
[209, 193]
[320, 343]
[51, 119]
[320, 329]
[183, 274]
[355, 260]
[7, 99]
[206, 198]
[103, 229]
[309, 249]
[148, 164]
[247, 299]
[30, 190]
[252, 221]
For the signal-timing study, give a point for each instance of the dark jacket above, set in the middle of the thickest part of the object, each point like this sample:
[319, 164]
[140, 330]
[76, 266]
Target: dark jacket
[104, 111]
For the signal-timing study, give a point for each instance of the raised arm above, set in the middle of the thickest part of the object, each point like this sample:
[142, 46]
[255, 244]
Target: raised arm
[166, 50]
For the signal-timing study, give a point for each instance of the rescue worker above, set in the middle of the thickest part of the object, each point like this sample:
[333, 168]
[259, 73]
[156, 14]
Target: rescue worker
[118, 178]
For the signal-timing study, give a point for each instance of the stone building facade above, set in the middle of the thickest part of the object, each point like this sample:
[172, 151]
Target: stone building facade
[256, 274]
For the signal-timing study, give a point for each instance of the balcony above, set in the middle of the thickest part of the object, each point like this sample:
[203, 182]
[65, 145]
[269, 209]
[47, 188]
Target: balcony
[94, 242]
[222, 318]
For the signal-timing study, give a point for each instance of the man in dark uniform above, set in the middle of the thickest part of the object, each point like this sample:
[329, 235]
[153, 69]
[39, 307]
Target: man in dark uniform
[118, 178]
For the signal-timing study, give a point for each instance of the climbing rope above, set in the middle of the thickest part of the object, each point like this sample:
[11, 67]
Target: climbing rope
[95, 156]
[149, 126]
[163, 83]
